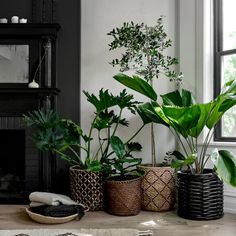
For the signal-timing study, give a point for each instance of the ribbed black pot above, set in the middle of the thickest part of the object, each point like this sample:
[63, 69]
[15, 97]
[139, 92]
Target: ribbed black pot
[200, 196]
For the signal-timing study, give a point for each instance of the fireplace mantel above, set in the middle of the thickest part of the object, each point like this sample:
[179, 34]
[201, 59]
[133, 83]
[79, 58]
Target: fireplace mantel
[29, 30]
[30, 91]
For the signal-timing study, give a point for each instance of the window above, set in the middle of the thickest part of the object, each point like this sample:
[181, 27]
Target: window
[225, 61]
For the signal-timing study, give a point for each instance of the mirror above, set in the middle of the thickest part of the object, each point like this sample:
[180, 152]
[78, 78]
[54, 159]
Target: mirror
[14, 63]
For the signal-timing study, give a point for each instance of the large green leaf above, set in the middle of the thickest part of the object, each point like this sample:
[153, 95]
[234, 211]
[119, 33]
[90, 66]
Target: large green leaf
[93, 165]
[70, 130]
[222, 103]
[42, 118]
[205, 110]
[178, 155]
[229, 87]
[228, 103]
[178, 98]
[183, 118]
[127, 101]
[148, 114]
[117, 146]
[104, 100]
[137, 84]
[134, 146]
[225, 164]
[106, 118]
[219, 106]
[188, 161]
[215, 115]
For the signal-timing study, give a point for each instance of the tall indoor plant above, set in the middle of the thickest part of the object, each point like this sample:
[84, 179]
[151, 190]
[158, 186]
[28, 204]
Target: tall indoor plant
[200, 189]
[62, 137]
[144, 54]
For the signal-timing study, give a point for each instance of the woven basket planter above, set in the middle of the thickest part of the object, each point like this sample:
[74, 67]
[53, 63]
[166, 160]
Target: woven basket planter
[158, 188]
[200, 196]
[123, 198]
[87, 188]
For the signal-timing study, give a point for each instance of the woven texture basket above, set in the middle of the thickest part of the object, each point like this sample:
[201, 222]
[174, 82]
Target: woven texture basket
[123, 197]
[50, 220]
[200, 196]
[158, 188]
[87, 188]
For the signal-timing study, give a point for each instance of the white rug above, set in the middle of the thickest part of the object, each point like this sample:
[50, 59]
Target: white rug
[81, 232]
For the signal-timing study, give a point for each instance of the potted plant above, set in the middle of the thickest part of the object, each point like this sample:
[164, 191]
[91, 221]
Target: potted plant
[62, 137]
[144, 54]
[123, 185]
[200, 189]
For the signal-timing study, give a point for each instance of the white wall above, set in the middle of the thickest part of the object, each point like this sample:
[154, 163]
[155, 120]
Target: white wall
[98, 18]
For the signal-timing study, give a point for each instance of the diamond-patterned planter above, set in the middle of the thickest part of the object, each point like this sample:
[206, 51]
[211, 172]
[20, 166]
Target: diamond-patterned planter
[87, 188]
[158, 188]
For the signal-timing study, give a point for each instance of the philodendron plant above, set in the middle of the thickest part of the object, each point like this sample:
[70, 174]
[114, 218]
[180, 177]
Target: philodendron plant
[62, 136]
[144, 55]
[187, 119]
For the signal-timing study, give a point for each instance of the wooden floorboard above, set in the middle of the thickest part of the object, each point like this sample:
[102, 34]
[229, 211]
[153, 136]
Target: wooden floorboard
[162, 224]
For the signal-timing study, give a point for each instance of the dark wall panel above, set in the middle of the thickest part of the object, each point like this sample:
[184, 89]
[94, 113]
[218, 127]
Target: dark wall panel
[21, 8]
[67, 14]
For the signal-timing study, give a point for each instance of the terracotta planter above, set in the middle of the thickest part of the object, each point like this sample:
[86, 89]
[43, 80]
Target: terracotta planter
[123, 198]
[87, 188]
[200, 196]
[158, 188]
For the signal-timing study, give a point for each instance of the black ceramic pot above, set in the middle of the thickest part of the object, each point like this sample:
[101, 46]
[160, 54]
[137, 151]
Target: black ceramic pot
[200, 196]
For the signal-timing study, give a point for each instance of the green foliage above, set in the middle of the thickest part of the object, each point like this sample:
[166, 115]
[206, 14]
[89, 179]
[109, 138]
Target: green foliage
[144, 50]
[187, 161]
[137, 84]
[62, 136]
[54, 134]
[225, 165]
[187, 120]
[124, 163]
[144, 54]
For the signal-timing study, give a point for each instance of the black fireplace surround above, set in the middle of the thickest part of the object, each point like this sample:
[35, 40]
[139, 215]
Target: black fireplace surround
[23, 168]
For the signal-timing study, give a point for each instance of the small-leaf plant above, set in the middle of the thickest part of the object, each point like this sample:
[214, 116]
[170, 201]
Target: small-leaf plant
[144, 53]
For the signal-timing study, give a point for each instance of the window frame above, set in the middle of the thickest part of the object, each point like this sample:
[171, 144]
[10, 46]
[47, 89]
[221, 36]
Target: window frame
[218, 54]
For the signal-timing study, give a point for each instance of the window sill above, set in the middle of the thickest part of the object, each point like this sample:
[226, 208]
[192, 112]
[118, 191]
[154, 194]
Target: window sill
[220, 144]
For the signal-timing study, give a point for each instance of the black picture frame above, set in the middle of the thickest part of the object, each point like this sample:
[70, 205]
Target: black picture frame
[43, 11]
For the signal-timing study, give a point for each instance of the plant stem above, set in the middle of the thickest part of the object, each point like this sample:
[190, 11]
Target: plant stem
[135, 134]
[74, 152]
[153, 142]
[100, 143]
[104, 155]
[205, 162]
[89, 137]
[181, 142]
[64, 157]
[153, 146]
[117, 124]
[189, 144]
[100, 147]
[79, 146]
[205, 150]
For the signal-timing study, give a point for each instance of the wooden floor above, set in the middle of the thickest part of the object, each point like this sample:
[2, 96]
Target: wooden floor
[162, 224]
